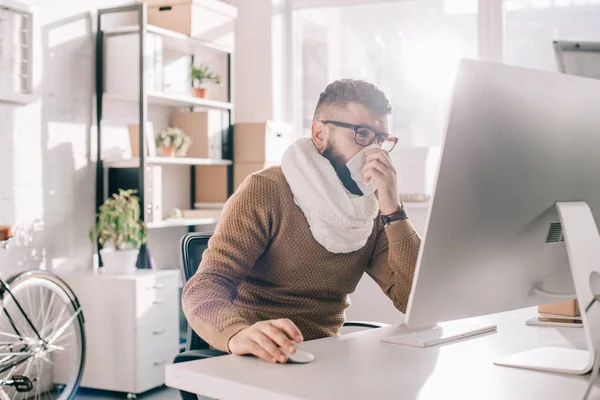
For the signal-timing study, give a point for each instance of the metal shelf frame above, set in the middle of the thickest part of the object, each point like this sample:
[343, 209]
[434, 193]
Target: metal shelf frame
[142, 29]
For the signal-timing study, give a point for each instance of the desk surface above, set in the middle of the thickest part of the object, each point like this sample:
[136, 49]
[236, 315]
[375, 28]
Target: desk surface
[359, 366]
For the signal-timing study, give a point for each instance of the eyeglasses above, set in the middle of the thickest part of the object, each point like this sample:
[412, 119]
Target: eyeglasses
[365, 136]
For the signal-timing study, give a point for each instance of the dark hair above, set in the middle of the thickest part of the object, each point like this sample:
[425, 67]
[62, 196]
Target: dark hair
[344, 91]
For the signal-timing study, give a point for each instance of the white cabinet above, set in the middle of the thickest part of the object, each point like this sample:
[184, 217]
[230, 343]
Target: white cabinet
[131, 327]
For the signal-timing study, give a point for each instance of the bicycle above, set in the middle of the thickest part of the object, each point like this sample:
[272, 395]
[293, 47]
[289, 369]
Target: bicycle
[42, 340]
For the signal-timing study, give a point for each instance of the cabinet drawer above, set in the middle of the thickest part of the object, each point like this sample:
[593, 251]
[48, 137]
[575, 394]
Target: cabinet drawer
[150, 371]
[160, 338]
[157, 300]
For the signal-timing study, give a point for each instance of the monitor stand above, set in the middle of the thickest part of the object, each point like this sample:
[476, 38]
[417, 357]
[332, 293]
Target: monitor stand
[583, 249]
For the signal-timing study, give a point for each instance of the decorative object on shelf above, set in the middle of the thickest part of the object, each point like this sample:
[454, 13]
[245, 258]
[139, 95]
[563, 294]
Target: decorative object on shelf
[201, 74]
[175, 213]
[119, 232]
[134, 139]
[173, 142]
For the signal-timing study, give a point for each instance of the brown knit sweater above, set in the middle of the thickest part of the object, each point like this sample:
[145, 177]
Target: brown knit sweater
[263, 263]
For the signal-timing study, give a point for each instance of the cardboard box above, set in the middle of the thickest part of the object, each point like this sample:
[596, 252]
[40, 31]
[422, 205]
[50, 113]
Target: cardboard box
[211, 184]
[242, 170]
[134, 139]
[206, 129]
[568, 308]
[263, 142]
[209, 20]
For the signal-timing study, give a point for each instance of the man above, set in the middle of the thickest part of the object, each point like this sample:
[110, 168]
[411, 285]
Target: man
[294, 241]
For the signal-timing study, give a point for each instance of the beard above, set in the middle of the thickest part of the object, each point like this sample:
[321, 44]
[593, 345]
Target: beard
[341, 170]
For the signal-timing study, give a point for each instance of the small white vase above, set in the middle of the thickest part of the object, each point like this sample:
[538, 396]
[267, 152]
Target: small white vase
[118, 261]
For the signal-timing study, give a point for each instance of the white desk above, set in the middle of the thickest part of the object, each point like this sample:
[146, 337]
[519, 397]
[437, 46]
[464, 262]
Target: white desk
[358, 366]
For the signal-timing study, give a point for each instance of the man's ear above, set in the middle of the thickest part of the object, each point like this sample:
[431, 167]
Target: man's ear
[319, 136]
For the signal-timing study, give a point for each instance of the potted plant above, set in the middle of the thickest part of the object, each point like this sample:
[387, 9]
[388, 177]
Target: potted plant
[119, 232]
[173, 142]
[201, 74]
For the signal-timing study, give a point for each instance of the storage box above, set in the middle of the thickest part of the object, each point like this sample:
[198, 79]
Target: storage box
[134, 139]
[242, 170]
[569, 308]
[263, 142]
[122, 64]
[206, 130]
[209, 20]
[211, 184]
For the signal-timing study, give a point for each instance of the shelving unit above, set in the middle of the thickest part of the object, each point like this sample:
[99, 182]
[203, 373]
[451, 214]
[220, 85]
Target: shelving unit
[185, 45]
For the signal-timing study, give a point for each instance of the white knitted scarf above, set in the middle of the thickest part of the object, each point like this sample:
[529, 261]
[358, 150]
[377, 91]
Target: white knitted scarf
[339, 220]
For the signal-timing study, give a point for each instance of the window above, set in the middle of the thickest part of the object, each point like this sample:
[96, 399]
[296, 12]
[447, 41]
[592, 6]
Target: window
[532, 26]
[410, 49]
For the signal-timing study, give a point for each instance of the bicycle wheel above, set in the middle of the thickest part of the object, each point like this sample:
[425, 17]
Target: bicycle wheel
[44, 342]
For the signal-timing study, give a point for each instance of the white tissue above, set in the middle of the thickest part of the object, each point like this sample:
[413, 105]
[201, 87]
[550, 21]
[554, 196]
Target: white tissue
[355, 165]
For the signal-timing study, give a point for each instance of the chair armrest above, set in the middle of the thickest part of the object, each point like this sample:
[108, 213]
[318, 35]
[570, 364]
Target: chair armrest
[365, 324]
[192, 355]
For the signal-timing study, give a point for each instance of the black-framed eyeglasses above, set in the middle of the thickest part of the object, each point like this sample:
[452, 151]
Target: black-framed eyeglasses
[365, 136]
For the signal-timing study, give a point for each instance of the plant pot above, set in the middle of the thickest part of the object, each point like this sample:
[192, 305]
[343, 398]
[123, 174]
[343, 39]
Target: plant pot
[201, 92]
[167, 151]
[118, 261]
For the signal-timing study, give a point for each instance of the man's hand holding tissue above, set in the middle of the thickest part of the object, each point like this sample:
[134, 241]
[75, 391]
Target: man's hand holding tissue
[378, 167]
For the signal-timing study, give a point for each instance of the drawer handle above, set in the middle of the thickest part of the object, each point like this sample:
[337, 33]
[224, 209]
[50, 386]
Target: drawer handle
[159, 332]
[159, 301]
[165, 8]
[157, 286]
[157, 363]
[279, 134]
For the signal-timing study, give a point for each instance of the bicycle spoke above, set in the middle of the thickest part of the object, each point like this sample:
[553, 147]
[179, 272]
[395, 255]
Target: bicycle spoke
[10, 335]
[64, 327]
[64, 337]
[57, 321]
[47, 315]
[29, 304]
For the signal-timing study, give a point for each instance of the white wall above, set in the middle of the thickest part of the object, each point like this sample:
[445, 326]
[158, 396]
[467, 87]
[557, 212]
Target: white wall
[46, 175]
[261, 80]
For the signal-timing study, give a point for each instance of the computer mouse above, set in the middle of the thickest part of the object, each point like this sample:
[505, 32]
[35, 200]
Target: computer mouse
[299, 357]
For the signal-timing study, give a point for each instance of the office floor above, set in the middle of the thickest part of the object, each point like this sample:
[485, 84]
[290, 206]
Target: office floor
[163, 393]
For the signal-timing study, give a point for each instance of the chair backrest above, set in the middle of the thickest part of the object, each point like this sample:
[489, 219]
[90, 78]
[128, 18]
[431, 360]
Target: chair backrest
[193, 245]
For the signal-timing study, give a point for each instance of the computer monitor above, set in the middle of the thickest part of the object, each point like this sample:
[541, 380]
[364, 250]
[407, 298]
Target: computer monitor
[517, 142]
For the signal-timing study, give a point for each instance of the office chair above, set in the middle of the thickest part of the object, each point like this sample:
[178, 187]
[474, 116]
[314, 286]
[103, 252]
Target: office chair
[192, 246]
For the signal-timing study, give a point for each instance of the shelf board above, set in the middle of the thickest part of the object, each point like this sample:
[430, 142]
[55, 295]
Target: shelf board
[170, 100]
[135, 162]
[171, 39]
[179, 222]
